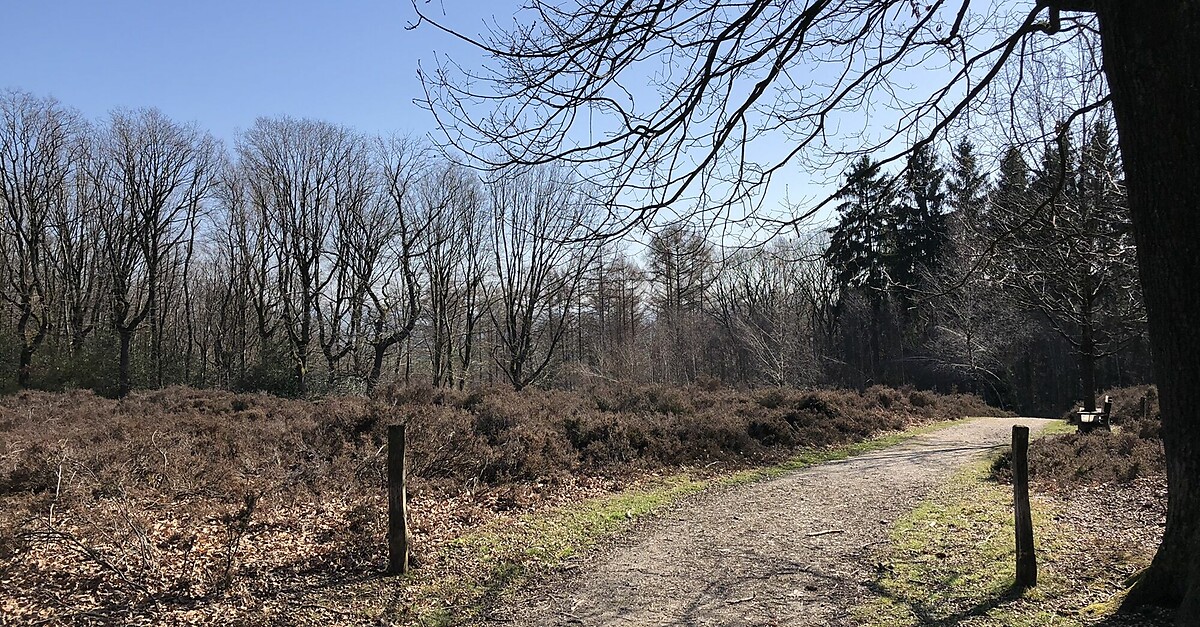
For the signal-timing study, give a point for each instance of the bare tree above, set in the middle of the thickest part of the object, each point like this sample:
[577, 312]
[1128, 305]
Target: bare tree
[538, 217]
[454, 258]
[39, 149]
[246, 238]
[150, 177]
[1071, 254]
[764, 302]
[385, 247]
[680, 270]
[356, 208]
[618, 303]
[78, 257]
[296, 170]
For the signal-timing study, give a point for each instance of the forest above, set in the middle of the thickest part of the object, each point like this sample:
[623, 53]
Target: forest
[307, 258]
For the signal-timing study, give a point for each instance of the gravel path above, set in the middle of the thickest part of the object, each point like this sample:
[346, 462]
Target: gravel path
[795, 550]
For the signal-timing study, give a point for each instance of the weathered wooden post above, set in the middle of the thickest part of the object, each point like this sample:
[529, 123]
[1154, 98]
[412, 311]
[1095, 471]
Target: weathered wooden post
[397, 502]
[1026, 560]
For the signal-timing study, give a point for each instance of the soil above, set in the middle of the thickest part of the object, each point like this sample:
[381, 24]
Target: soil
[796, 550]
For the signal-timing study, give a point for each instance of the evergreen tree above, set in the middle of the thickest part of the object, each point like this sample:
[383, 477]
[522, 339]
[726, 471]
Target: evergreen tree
[919, 222]
[861, 243]
[861, 246]
[1100, 180]
[967, 185]
[1011, 194]
[1055, 184]
[1069, 254]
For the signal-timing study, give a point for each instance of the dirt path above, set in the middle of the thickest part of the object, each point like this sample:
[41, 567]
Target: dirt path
[757, 555]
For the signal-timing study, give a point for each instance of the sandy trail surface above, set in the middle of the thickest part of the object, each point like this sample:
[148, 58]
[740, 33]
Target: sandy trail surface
[795, 550]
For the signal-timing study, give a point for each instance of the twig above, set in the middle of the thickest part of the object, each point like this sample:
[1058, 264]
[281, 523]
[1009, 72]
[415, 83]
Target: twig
[87, 551]
[57, 490]
[825, 532]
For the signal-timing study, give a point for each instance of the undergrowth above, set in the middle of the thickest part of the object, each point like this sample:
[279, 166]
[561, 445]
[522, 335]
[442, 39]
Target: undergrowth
[184, 505]
[1132, 450]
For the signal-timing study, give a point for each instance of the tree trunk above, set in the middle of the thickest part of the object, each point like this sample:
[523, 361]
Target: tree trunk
[876, 350]
[23, 368]
[377, 364]
[29, 345]
[124, 385]
[1152, 59]
[1087, 369]
[301, 376]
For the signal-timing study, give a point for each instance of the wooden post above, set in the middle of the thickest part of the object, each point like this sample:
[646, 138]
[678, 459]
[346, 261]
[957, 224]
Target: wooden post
[397, 502]
[1026, 560]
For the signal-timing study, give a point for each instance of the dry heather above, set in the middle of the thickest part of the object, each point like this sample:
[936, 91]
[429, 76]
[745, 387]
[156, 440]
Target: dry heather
[1133, 450]
[184, 505]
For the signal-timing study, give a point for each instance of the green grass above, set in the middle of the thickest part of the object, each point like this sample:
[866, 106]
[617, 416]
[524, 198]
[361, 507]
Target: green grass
[503, 557]
[1058, 427]
[952, 560]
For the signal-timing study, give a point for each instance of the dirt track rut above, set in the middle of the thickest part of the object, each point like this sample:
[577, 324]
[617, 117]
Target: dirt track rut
[795, 550]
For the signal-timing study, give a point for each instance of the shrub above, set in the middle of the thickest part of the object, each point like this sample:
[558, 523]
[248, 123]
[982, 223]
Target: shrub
[1134, 449]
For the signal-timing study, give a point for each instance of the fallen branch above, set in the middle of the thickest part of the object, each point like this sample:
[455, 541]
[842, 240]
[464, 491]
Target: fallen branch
[824, 533]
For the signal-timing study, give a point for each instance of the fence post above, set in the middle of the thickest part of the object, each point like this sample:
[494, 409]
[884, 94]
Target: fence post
[1026, 560]
[397, 535]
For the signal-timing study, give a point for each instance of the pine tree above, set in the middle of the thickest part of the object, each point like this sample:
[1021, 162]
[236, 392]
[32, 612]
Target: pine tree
[967, 185]
[1055, 184]
[1011, 195]
[919, 222]
[860, 244]
[1069, 255]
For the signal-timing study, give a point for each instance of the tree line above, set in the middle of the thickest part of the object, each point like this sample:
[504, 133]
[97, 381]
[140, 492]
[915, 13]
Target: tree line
[139, 251]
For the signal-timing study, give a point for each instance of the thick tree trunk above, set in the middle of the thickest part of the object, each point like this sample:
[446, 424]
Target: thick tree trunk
[29, 345]
[876, 344]
[380, 350]
[1152, 59]
[301, 373]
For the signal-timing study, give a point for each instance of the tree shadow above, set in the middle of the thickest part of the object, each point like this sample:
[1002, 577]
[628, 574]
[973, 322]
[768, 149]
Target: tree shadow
[927, 615]
[1148, 616]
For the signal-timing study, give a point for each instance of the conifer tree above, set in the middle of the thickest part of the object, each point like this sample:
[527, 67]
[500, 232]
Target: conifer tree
[967, 185]
[1069, 254]
[920, 224]
[860, 244]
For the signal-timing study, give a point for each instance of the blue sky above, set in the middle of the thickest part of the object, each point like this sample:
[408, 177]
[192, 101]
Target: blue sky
[223, 63]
